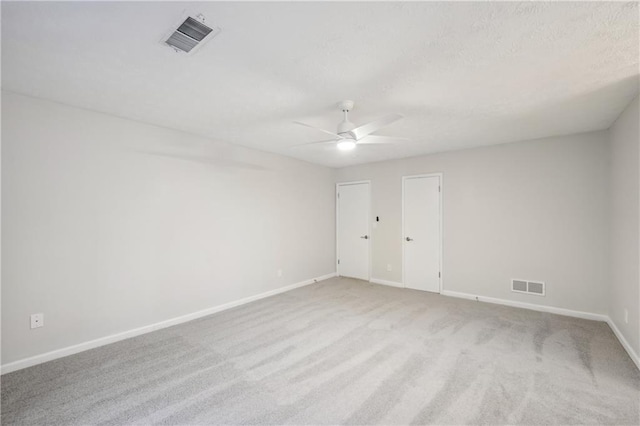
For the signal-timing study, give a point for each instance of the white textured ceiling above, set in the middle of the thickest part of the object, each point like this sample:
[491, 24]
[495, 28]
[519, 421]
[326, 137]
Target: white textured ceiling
[463, 74]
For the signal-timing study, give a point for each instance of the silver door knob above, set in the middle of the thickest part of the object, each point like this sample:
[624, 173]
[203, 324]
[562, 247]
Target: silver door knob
[366, 237]
[409, 239]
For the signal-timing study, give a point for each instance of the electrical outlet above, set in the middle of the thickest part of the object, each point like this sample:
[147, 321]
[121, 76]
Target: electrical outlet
[626, 316]
[389, 267]
[37, 320]
[279, 272]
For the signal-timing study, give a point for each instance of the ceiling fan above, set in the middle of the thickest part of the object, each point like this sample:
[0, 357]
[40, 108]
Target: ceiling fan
[348, 135]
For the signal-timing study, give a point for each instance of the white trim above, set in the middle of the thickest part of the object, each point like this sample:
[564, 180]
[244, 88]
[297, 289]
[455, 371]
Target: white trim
[553, 310]
[385, 282]
[531, 306]
[70, 350]
[439, 175]
[369, 233]
[625, 344]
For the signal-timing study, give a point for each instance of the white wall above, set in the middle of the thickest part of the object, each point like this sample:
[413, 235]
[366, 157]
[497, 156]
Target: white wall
[109, 224]
[531, 210]
[624, 291]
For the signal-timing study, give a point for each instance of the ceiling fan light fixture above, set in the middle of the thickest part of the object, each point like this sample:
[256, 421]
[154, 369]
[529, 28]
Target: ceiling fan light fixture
[348, 135]
[346, 145]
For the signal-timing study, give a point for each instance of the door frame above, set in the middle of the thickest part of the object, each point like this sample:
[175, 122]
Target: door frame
[338, 185]
[425, 175]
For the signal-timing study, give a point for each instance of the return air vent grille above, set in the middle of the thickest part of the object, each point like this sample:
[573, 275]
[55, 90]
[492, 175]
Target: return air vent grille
[529, 287]
[190, 34]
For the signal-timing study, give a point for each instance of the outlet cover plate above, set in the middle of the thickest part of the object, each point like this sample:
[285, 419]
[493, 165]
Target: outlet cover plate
[37, 320]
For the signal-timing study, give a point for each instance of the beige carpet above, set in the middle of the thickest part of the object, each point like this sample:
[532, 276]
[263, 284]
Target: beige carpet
[342, 352]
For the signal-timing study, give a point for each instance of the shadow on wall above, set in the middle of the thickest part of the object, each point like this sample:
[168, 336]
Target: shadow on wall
[218, 155]
[219, 162]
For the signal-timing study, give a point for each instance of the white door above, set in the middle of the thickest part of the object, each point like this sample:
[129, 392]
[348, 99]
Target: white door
[353, 230]
[421, 227]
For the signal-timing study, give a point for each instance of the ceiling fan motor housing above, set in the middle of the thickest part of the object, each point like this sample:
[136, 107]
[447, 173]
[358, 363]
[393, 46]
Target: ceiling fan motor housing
[345, 127]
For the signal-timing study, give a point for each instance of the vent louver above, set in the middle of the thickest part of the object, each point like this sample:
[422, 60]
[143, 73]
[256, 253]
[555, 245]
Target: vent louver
[536, 288]
[528, 287]
[190, 34]
[518, 285]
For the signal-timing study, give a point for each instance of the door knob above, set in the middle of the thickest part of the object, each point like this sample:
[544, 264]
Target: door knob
[366, 237]
[409, 239]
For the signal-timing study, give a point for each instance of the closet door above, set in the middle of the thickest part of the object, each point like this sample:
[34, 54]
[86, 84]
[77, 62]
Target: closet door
[353, 237]
[422, 232]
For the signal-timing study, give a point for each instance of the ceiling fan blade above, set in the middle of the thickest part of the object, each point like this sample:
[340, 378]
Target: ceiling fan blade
[316, 143]
[317, 128]
[371, 139]
[366, 129]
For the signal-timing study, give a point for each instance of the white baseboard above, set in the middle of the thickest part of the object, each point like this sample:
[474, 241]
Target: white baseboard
[553, 310]
[70, 350]
[625, 344]
[531, 306]
[385, 282]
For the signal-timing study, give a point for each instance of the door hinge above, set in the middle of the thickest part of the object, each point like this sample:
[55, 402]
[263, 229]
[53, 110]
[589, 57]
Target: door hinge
[338, 261]
[338, 195]
[438, 188]
[439, 275]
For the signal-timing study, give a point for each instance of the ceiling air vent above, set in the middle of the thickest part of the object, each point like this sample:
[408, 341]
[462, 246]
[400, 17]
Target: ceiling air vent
[192, 33]
[529, 287]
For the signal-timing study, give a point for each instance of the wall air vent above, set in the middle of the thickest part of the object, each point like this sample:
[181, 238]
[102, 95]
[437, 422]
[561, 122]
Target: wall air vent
[190, 34]
[529, 287]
